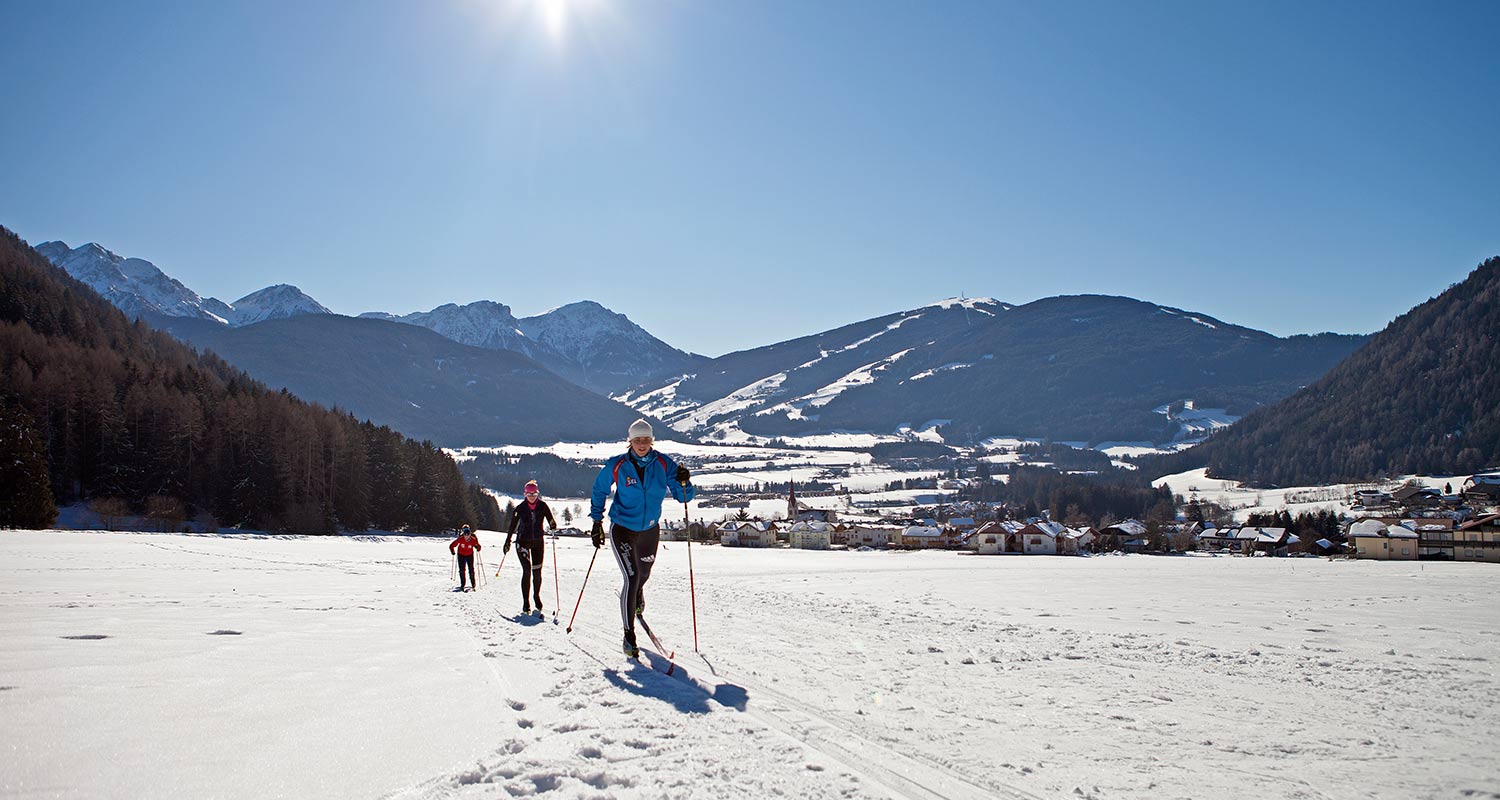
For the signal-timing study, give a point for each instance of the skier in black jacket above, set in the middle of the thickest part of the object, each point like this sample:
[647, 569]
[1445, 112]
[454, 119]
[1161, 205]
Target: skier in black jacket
[531, 547]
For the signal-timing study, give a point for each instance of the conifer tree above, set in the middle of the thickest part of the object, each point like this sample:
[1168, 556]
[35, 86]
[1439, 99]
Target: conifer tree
[26, 499]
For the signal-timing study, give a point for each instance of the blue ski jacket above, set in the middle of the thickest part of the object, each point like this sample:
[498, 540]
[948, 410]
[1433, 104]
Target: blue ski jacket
[637, 500]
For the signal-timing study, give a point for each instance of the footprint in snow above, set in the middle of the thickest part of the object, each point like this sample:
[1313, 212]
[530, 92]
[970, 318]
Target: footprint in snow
[86, 637]
[225, 632]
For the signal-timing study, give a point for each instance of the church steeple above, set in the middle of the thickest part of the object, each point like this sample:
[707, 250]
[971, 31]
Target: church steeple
[791, 500]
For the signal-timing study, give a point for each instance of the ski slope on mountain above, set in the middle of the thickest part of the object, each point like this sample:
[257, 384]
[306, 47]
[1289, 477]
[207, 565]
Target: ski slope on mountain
[175, 666]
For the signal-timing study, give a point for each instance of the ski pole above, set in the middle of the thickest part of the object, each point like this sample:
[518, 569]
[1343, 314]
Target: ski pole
[581, 588]
[556, 589]
[692, 588]
[503, 554]
[481, 566]
[454, 572]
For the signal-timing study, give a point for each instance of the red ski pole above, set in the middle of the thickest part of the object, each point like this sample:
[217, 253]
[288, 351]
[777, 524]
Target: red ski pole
[692, 588]
[581, 588]
[503, 554]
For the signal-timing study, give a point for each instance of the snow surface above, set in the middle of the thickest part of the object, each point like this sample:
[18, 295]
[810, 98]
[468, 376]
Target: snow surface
[143, 665]
[1245, 500]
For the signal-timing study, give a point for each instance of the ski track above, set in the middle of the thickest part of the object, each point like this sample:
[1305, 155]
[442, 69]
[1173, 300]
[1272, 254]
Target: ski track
[616, 727]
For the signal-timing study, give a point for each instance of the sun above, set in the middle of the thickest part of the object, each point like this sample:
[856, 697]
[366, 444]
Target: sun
[554, 16]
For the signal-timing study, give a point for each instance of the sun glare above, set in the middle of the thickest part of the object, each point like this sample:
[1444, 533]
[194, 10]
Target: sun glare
[554, 17]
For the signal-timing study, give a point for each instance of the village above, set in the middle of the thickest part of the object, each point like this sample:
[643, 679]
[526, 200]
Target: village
[1410, 522]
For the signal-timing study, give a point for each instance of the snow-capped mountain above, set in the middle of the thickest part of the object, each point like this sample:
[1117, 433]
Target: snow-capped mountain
[133, 285]
[1079, 368]
[273, 302]
[584, 341]
[139, 288]
[483, 323]
[615, 352]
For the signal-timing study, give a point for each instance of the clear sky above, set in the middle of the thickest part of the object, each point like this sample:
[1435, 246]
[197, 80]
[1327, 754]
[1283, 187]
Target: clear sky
[731, 174]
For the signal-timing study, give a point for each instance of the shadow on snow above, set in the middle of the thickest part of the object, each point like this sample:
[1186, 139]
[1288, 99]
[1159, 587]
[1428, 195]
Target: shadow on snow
[684, 692]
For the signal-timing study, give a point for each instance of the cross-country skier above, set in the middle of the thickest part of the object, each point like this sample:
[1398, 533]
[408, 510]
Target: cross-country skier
[466, 544]
[530, 546]
[641, 478]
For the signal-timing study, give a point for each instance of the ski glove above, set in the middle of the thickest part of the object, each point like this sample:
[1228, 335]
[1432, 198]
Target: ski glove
[683, 474]
[506, 548]
[597, 534]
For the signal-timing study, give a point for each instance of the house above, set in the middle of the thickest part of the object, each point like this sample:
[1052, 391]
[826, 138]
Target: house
[923, 537]
[870, 536]
[1372, 498]
[673, 531]
[1271, 541]
[1129, 536]
[753, 533]
[991, 538]
[1478, 540]
[874, 536]
[1219, 539]
[961, 526]
[1040, 538]
[1388, 543]
[1483, 490]
[811, 535]
[1076, 541]
[1414, 495]
[1324, 547]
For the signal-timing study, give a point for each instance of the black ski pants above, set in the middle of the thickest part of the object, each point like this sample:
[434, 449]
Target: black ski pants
[531, 555]
[635, 552]
[466, 561]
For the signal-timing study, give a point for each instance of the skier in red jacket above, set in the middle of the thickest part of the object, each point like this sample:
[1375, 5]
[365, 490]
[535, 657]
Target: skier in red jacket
[465, 545]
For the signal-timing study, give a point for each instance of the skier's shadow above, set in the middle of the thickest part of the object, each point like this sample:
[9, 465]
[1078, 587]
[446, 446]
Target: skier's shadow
[529, 620]
[686, 694]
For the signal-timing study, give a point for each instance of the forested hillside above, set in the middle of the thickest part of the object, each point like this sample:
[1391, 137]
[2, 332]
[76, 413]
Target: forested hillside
[1423, 396]
[115, 411]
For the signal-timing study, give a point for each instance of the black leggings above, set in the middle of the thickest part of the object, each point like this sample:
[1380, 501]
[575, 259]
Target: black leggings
[531, 555]
[635, 552]
[466, 561]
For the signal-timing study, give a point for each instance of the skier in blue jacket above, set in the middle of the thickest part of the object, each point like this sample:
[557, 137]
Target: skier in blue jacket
[641, 478]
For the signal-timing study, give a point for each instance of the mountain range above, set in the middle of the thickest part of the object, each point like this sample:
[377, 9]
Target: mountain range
[136, 286]
[584, 342]
[1083, 368]
[1076, 368]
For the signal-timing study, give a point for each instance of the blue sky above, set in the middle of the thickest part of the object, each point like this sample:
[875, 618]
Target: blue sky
[731, 174]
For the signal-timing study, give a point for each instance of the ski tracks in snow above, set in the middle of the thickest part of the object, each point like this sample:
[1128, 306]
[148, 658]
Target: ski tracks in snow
[591, 723]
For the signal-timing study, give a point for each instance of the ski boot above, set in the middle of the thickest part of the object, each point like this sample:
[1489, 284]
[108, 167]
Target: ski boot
[630, 649]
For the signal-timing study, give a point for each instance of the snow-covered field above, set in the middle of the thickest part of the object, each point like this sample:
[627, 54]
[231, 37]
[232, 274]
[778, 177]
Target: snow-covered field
[1246, 500]
[150, 665]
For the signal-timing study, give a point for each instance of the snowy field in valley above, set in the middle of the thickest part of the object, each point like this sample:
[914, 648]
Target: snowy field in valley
[160, 665]
[1245, 500]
